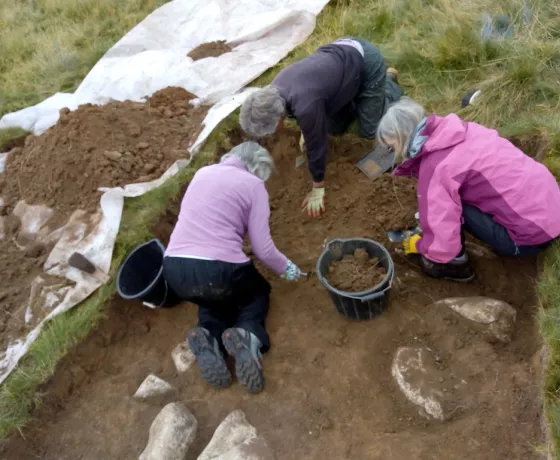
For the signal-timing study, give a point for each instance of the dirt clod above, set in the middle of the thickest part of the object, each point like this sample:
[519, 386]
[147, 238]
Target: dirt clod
[212, 49]
[356, 272]
[113, 155]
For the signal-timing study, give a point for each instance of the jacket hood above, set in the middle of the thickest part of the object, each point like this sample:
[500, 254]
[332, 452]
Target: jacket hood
[442, 133]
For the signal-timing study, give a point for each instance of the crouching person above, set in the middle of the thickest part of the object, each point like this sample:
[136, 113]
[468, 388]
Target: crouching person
[205, 264]
[469, 179]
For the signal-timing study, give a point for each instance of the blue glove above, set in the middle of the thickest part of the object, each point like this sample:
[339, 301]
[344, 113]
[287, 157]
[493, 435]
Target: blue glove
[292, 272]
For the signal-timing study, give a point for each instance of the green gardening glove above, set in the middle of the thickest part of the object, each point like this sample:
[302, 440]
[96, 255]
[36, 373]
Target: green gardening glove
[314, 202]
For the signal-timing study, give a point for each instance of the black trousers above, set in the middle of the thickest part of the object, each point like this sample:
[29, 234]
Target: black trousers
[227, 295]
[485, 228]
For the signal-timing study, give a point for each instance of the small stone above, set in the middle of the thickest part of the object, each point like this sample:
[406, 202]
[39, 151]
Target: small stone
[64, 111]
[171, 434]
[441, 379]
[459, 344]
[112, 155]
[236, 439]
[149, 168]
[155, 390]
[143, 179]
[183, 357]
[142, 145]
[129, 154]
[168, 113]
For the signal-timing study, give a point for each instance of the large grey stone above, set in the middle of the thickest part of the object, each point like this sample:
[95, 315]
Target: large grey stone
[494, 317]
[154, 390]
[236, 439]
[413, 370]
[171, 434]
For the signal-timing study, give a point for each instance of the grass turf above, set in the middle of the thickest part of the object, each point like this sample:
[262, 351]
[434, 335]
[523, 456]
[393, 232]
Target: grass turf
[435, 45]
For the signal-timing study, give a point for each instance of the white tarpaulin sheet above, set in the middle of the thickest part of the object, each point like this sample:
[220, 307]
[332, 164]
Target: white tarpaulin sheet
[152, 56]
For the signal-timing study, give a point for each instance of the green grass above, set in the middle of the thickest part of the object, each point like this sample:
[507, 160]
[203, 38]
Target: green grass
[50, 45]
[433, 43]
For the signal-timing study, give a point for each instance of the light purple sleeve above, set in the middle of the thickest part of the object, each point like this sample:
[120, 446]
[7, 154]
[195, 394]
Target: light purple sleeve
[259, 232]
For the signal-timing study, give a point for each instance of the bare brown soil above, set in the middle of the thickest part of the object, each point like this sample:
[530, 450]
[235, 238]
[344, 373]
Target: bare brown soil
[102, 146]
[356, 272]
[212, 49]
[329, 393]
[18, 268]
[92, 147]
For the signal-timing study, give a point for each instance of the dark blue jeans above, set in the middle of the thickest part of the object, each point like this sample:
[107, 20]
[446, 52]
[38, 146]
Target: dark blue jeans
[485, 228]
[227, 295]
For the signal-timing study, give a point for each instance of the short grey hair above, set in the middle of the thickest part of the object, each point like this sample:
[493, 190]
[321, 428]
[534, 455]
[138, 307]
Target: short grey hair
[261, 112]
[255, 157]
[399, 123]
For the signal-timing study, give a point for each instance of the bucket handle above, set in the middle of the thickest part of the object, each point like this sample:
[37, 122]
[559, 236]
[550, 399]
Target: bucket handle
[373, 295]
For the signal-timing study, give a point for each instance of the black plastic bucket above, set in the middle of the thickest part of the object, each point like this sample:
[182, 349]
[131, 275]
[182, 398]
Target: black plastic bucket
[141, 276]
[357, 305]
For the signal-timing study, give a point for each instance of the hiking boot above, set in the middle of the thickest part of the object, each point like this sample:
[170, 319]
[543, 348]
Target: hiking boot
[459, 269]
[210, 360]
[393, 74]
[245, 348]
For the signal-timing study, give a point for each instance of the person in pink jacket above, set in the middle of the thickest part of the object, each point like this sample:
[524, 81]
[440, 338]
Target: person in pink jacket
[469, 179]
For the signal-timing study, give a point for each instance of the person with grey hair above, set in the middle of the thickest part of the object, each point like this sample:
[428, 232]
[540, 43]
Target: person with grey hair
[324, 92]
[205, 264]
[469, 179]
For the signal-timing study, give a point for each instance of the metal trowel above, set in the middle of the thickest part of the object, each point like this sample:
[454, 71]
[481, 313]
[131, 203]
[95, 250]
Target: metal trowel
[376, 162]
[399, 236]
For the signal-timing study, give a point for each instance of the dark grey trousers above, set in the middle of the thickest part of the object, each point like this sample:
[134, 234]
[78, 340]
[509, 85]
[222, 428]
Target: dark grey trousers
[375, 96]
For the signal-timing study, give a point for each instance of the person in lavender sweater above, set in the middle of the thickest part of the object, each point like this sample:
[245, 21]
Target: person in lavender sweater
[205, 264]
[469, 179]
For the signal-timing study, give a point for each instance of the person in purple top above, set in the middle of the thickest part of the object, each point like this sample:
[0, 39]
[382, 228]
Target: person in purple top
[469, 179]
[205, 264]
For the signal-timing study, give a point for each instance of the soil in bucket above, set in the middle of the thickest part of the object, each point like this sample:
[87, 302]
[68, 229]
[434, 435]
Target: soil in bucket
[356, 272]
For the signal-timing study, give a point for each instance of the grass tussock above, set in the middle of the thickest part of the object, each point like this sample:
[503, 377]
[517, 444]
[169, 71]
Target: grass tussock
[435, 44]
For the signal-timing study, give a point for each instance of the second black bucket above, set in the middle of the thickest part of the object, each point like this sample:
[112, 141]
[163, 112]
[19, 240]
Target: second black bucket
[141, 276]
[357, 305]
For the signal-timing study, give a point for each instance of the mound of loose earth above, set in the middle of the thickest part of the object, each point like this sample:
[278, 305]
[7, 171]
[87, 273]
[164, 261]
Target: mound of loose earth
[356, 272]
[330, 392]
[212, 49]
[102, 146]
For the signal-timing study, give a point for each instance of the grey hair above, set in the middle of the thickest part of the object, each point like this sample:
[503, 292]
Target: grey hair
[261, 112]
[255, 157]
[399, 123]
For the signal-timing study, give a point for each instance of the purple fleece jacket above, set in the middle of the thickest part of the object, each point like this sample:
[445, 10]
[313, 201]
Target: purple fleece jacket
[223, 203]
[463, 162]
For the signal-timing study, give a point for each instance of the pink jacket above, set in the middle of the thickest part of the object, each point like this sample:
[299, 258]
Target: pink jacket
[463, 162]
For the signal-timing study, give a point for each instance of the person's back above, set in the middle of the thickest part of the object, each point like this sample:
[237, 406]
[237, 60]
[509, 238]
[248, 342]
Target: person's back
[214, 214]
[332, 75]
